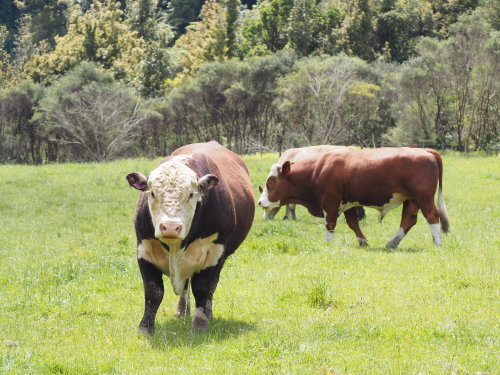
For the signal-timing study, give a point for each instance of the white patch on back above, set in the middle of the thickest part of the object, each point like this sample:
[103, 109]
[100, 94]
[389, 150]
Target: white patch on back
[436, 234]
[181, 264]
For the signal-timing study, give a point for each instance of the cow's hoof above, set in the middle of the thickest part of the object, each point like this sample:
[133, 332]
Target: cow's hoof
[363, 242]
[182, 311]
[391, 245]
[144, 330]
[199, 325]
[200, 321]
[180, 314]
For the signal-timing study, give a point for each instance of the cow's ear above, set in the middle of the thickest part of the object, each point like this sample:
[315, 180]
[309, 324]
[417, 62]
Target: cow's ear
[286, 168]
[207, 182]
[260, 189]
[137, 180]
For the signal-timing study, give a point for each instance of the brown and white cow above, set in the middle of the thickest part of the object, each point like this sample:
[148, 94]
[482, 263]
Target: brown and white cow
[196, 208]
[381, 178]
[293, 155]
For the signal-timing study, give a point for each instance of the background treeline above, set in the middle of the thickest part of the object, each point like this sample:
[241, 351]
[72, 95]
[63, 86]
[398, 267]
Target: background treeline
[92, 80]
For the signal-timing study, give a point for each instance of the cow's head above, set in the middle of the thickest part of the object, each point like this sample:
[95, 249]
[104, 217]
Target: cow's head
[173, 193]
[276, 188]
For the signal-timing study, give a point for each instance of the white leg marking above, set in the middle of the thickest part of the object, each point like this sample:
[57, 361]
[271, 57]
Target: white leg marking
[362, 241]
[436, 234]
[329, 236]
[208, 311]
[200, 314]
[394, 242]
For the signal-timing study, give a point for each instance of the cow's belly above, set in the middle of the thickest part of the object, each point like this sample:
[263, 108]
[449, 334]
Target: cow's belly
[181, 264]
[396, 200]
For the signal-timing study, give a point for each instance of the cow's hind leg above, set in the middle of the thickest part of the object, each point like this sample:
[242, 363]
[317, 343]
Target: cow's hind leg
[431, 214]
[352, 219]
[183, 306]
[408, 220]
[153, 294]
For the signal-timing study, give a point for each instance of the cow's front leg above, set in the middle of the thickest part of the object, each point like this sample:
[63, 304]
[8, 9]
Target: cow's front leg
[183, 306]
[290, 212]
[331, 221]
[153, 294]
[204, 285]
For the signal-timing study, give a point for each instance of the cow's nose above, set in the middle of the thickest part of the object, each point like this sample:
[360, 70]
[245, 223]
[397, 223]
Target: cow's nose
[170, 229]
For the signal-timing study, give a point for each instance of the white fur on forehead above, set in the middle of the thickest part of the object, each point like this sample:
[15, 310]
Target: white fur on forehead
[274, 170]
[173, 180]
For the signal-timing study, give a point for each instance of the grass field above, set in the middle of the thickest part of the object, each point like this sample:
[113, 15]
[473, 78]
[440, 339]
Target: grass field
[71, 295]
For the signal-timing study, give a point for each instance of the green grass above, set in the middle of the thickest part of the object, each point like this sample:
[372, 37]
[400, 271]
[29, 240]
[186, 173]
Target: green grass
[71, 294]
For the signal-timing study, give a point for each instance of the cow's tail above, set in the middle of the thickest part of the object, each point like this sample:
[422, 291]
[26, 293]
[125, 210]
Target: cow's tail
[441, 207]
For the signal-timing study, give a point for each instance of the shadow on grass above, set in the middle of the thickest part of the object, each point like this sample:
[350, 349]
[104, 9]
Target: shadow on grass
[176, 333]
[402, 249]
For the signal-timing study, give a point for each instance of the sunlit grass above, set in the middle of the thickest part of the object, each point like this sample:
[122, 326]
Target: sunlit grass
[71, 294]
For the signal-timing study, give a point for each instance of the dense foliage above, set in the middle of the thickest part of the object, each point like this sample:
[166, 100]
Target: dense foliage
[254, 75]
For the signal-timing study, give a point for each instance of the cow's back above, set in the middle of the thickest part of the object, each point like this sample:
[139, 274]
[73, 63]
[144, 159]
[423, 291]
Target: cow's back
[296, 154]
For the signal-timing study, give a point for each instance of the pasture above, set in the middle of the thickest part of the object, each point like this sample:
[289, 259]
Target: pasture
[71, 295]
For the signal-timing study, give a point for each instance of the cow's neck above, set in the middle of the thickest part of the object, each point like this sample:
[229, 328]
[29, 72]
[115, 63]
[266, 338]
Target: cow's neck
[302, 192]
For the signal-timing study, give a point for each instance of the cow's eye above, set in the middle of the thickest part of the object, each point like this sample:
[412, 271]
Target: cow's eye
[190, 196]
[152, 195]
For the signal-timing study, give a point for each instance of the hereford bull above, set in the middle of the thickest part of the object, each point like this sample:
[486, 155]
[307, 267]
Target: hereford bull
[381, 178]
[293, 155]
[195, 209]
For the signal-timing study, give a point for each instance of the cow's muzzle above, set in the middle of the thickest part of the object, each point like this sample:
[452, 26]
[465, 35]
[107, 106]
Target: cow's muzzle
[170, 229]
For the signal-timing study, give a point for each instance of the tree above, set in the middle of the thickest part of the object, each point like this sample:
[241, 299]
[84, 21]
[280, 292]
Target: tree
[183, 12]
[9, 15]
[274, 15]
[361, 31]
[310, 100]
[204, 41]
[232, 14]
[91, 115]
[5, 67]
[21, 132]
[449, 92]
[398, 26]
[98, 35]
[148, 19]
[47, 19]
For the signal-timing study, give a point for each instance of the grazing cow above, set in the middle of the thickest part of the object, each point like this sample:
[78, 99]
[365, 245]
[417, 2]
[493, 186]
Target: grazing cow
[196, 208]
[293, 155]
[380, 178]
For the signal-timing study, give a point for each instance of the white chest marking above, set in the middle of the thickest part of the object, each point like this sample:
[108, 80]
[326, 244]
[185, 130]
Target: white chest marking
[154, 252]
[181, 264]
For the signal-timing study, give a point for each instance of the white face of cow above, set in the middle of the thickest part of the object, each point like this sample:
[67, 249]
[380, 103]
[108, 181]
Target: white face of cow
[264, 201]
[173, 192]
